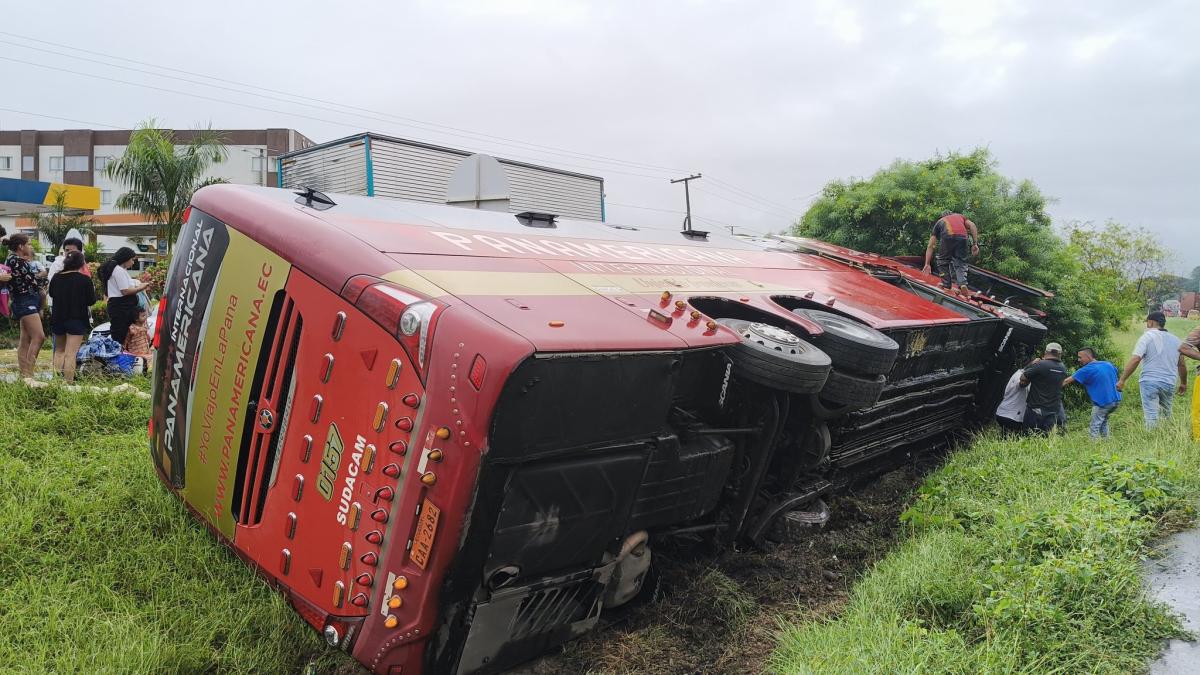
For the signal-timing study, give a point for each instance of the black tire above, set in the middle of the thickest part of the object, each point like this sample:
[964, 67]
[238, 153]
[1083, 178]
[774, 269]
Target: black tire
[775, 358]
[1025, 328]
[798, 525]
[853, 346]
[852, 390]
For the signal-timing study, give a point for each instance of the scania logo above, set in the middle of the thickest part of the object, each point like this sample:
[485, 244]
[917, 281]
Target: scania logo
[266, 419]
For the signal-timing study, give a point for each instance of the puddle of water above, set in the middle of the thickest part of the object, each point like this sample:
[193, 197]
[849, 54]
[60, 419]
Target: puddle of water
[1175, 580]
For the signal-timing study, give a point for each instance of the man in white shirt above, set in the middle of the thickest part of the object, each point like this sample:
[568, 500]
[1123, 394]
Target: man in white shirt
[1010, 414]
[1157, 351]
[71, 244]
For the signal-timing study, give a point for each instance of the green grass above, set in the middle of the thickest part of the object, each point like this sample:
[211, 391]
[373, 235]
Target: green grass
[102, 571]
[1021, 557]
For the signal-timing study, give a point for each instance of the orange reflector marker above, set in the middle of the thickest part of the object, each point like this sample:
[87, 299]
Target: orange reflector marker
[355, 516]
[711, 325]
[665, 298]
[428, 478]
[679, 305]
[556, 323]
[435, 455]
[394, 602]
[344, 556]
[391, 621]
[442, 433]
[393, 374]
[477, 372]
[695, 315]
[368, 458]
[381, 412]
[339, 594]
[400, 583]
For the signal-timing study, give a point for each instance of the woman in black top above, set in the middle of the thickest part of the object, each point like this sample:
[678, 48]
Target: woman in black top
[73, 294]
[26, 292]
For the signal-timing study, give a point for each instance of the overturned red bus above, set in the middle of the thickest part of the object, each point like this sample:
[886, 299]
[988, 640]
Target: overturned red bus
[451, 438]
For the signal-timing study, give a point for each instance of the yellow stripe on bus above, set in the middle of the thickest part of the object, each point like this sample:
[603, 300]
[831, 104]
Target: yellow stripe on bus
[435, 283]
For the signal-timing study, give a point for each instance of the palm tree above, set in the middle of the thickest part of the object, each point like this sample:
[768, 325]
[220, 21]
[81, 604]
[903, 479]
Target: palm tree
[58, 221]
[162, 175]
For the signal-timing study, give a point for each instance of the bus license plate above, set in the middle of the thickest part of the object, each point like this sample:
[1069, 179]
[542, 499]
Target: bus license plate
[426, 531]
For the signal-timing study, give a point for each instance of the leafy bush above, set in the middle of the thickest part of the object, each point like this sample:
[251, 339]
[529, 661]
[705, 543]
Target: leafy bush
[893, 212]
[156, 277]
[100, 312]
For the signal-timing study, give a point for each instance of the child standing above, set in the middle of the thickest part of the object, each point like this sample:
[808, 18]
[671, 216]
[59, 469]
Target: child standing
[137, 341]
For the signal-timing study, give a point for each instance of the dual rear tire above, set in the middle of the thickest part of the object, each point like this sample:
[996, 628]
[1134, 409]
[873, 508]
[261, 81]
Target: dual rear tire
[845, 365]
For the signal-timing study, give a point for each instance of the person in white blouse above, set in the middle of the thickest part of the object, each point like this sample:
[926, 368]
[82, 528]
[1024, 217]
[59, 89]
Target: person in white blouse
[122, 291]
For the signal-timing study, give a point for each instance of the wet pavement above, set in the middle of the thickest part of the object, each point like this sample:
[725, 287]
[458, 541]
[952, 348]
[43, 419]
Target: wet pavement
[1175, 580]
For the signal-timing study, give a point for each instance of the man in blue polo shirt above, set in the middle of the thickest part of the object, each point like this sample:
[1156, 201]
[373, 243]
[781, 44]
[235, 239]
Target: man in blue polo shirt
[1099, 378]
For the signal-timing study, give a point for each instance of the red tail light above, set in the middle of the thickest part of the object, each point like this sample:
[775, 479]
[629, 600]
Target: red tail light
[412, 319]
[159, 320]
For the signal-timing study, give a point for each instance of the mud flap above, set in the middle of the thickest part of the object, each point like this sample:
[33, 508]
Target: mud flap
[517, 624]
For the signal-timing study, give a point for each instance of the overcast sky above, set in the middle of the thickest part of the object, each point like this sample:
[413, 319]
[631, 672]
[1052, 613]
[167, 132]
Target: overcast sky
[1096, 102]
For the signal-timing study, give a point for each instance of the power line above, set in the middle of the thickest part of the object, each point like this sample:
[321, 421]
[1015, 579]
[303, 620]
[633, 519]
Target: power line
[772, 212]
[62, 119]
[749, 195]
[388, 117]
[407, 121]
[281, 112]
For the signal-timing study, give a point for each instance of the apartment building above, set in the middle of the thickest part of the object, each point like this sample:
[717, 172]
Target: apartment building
[79, 157]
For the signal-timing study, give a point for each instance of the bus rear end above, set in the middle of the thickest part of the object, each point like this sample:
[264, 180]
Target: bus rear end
[299, 423]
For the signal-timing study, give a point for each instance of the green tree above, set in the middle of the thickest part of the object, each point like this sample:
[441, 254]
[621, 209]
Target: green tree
[893, 212]
[162, 175]
[59, 220]
[1131, 256]
[1195, 277]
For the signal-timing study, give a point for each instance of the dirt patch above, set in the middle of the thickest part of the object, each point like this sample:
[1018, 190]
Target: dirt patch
[718, 612]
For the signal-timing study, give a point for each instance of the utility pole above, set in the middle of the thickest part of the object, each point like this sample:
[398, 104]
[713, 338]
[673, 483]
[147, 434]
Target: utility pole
[730, 229]
[687, 199]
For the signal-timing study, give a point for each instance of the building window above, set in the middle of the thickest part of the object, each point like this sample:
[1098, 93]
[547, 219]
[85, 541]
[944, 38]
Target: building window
[106, 197]
[77, 163]
[257, 164]
[5, 163]
[56, 163]
[27, 163]
[102, 162]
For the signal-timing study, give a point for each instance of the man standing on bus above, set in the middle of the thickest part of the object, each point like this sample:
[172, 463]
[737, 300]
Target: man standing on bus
[950, 238]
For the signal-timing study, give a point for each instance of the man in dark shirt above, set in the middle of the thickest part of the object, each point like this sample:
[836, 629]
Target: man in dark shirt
[1045, 382]
[950, 238]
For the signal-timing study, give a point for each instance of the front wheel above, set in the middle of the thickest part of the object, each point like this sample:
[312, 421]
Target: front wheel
[775, 358]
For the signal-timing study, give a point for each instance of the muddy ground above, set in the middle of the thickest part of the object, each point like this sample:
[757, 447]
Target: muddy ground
[717, 612]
